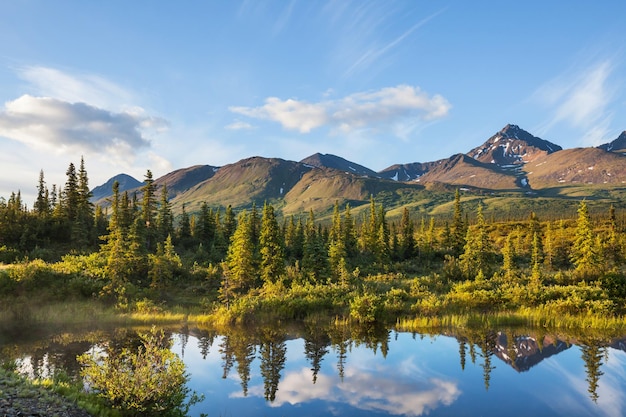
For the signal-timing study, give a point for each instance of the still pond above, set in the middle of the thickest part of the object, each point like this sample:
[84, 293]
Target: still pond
[315, 371]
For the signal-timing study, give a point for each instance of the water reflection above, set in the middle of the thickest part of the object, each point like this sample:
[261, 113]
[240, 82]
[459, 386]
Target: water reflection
[319, 369]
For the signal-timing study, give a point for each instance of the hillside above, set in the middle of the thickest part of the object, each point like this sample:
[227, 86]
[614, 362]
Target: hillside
[463, 171]
[240, 184]
[512, 163]
[577, 166]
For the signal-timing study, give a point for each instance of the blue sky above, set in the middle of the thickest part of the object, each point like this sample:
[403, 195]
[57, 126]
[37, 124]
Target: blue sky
[137, 85]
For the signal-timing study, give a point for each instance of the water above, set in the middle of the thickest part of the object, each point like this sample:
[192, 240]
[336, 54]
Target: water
[314, 371]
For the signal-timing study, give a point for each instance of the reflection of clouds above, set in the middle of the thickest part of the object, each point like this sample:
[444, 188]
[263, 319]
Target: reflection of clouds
[366, 391]
[572, 397]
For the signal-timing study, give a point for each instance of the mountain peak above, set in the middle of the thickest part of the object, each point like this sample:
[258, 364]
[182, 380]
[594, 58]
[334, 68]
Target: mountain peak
[618, 145]
[512, 146]
[320, 160]
[512, 131]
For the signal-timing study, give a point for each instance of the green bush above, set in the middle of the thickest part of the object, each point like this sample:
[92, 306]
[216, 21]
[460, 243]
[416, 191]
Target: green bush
[151, 381]
[365, 308]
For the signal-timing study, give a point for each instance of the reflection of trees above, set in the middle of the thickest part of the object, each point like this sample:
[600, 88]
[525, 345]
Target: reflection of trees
[244, 350]
[316, 342]
[273, 351]
[462, 351]
[340, 341]
[228, 357]
[487, 346]
[205, 341]
[592, 356]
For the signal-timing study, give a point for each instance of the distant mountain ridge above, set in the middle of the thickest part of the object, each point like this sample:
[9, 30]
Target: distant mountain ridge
[511, 160]
[331, 161]
[125, 181]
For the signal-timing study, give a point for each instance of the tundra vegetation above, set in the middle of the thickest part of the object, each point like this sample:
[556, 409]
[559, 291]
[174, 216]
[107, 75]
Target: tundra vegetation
[223, 266]
[137, 260]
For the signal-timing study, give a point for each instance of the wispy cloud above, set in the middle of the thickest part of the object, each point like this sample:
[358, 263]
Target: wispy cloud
[76, 88]
[239, 125]
[375, 53]
[581, 101]
[388, 106]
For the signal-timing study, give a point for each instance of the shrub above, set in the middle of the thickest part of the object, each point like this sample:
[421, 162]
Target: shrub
[151, 381]
[365, 308]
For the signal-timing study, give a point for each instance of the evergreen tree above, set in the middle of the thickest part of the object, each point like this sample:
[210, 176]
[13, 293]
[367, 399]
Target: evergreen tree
[70, 196]
[536, 260]
[206, 226]
[459, 226]
[315, 255]
[349, 232]
[508, 255]
[42, 205]
[336, 244]
[271, 246]
[184, 230]
[382, 239]
[83, 223]
[165, 218]
[148, 212]
[613, 246]
[230, 223]
[475, 258]
[407, 237]
[241, 266]
[585, 254]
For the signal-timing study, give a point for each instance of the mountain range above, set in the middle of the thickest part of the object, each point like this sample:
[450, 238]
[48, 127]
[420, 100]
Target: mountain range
[512, 162]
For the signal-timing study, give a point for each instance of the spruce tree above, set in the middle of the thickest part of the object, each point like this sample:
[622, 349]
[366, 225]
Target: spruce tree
[585, 254]
[42, 204]
[165, 218]
[407, 237]
[148, 212]
[271, 246]
[240, 260]
[508, 257]
[459, 226]
[336, 244]
[475, 258]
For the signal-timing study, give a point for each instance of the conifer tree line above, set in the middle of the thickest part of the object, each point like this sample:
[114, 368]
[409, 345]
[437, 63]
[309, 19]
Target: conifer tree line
[144, 244]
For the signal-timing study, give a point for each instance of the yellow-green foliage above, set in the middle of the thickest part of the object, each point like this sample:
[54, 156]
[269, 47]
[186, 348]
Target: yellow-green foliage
[151, 381]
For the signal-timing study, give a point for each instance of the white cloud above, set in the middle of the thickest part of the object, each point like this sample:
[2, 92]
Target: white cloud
[53, 124]
[160, 163]
[387, 106]
[366, 391]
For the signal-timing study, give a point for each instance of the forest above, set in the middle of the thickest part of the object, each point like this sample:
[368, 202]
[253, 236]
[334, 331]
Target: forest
[137, 256]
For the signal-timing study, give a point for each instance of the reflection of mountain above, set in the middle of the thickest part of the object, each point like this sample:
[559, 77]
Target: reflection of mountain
[526, 352]
[619, 344]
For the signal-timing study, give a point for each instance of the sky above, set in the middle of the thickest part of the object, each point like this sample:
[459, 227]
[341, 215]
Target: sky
[162, 85]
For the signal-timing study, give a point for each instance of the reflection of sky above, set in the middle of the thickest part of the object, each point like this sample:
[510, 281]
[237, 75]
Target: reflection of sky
[418, 377]
[572, 387]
